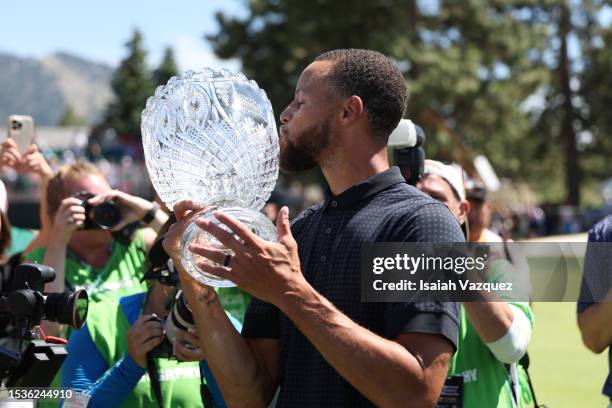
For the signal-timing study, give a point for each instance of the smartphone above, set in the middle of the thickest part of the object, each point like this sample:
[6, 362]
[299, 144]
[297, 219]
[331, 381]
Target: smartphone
[21, 130]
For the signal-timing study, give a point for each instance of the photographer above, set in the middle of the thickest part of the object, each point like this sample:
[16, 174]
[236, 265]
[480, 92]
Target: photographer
[493, 335]
[108, 358]
[105, 259]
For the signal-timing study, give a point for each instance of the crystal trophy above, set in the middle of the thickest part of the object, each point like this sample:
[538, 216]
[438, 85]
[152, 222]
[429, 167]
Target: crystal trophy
[211, 137]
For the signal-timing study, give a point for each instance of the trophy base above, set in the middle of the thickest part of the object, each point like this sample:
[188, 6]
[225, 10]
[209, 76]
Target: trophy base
[258, 223]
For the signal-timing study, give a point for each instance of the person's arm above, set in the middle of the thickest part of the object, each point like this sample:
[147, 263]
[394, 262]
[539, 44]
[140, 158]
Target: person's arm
[408, 371]
[504, 328]
[35, 163]
[594, 324]
[246, 370]
[86, 370]
[134, 209]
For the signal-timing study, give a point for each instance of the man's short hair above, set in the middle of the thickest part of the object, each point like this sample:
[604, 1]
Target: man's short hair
[375, 79]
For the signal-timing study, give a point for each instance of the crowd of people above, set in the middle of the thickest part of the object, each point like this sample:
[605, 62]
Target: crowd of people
[294, 331]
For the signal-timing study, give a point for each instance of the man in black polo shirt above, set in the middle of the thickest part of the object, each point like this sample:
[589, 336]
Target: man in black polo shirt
[306, 330]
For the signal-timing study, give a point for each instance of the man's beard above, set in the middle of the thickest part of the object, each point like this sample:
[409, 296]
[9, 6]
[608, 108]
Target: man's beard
[304, 151]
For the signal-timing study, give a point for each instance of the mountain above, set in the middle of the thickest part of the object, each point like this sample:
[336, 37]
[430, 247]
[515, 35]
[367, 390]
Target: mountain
[44, 88]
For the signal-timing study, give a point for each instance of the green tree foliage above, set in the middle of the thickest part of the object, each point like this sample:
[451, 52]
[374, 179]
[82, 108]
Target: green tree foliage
[70, 118]
[485, 76]
[132, 85]
[167, 68]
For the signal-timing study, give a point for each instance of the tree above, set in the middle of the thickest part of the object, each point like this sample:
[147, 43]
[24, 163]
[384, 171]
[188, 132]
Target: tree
[167, 68]
[469, 65]
[132, 85]
[70, 118]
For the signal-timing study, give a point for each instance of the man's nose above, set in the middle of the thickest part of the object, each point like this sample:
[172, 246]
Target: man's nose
[285, 115]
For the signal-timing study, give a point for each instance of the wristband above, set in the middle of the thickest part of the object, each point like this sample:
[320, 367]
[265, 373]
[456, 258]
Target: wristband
[150, 215]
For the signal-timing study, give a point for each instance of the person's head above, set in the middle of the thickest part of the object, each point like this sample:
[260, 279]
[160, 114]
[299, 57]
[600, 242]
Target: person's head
[72, 179]
[345, 99]
[480, 210]
[5, 225]
[445, 183]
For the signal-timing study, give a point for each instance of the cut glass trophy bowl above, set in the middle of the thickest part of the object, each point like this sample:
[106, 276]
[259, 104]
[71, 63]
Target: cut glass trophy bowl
[211, 137]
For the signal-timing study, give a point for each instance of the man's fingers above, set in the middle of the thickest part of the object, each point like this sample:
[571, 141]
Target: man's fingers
[283, 228]
[222, 235]
[239, 228]
[182, 208]
[215, 255]
[219, 271]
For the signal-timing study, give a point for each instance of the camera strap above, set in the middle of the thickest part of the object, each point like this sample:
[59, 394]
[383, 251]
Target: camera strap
[205, 394]
[153, 372]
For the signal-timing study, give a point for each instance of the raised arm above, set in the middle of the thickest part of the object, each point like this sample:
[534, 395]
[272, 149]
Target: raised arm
[246, 370]
[407, 371]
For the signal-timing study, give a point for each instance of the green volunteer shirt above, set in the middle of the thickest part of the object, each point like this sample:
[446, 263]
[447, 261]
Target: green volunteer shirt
[179, 381]
[119, 277]
[486, 380]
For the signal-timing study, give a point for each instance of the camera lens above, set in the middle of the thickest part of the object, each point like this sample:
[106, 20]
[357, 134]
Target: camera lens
[67, 308]
[16, 125]
[180, 317]
[107, 215]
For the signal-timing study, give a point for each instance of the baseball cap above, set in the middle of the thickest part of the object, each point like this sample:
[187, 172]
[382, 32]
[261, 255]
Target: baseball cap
[451, 173]
[475, 190]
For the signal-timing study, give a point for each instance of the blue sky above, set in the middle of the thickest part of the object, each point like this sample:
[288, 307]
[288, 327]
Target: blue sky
[98, 30]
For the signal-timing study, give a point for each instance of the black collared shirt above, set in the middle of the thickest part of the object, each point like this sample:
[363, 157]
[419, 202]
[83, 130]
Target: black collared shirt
[383, 208]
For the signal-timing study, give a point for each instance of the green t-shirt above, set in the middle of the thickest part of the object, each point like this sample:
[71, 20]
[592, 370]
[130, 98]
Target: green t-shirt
[179, 381]
[486, 380]
[119, 277]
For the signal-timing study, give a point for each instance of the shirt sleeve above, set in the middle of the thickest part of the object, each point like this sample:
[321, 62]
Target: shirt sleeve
[262, 320]
[432, 222]
[86, 370]
[597, 272]
[441, 318]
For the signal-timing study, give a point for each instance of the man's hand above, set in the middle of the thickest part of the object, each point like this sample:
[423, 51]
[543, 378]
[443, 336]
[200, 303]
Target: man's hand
[267, 270]
[184, 211]
[143, 336]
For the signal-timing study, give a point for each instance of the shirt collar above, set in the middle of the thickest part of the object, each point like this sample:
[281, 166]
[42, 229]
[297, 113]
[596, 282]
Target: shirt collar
[362, 190]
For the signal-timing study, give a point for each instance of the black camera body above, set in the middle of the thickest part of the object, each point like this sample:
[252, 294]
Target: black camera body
[37, 364]
[104, 216]
[408, 153]
[29, 305]
[180, 317]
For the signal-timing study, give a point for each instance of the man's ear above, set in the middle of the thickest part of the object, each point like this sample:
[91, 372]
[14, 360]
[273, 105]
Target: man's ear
[353, 110]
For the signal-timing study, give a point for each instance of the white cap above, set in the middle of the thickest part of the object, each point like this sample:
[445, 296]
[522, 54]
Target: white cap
[450, 173]
[3, 197]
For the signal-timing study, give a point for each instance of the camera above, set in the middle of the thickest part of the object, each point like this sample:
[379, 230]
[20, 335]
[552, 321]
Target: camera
[406, 142]
[28, 305]
[160, 267]
[16, 125]
[180, 317]
[103, 216]
[37, 364]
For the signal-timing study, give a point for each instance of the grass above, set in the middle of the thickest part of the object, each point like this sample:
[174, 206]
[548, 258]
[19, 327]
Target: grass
[564, 372]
